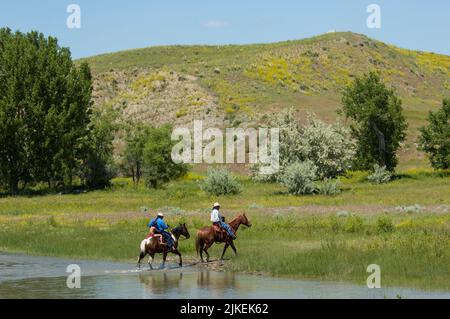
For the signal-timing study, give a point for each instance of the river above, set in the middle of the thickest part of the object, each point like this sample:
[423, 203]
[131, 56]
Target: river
[23, 276]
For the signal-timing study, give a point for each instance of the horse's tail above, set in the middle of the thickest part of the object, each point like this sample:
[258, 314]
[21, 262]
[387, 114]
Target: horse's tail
[142, 246]
[198, 244]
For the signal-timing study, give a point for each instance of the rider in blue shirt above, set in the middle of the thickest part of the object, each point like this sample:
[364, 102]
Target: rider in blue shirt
[161, 228]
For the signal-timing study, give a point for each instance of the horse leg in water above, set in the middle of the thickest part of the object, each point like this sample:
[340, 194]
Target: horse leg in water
[164, 259]
[150, 260]
[141, 255]
[176, 252]
[199, 244]
[202, 246]
[207, 246]
[201, 254]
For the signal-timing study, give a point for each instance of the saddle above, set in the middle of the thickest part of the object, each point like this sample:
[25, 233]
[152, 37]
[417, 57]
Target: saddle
[219, 231]
[152, 234]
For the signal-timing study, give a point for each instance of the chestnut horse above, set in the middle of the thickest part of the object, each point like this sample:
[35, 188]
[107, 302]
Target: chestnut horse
[153, 245]
[208, 236]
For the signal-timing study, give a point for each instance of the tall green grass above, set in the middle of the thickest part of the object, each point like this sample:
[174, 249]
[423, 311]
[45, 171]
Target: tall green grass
[414, 252]
[412, 246]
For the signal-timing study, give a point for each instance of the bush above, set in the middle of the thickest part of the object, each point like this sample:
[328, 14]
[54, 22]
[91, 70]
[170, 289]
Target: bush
[384, 224]
[299, 178]
[353, 224]
[329, 147]
[221, 182]
[256, 175]
[96, 173]
[380, 175]
[158, 166]
[330, 187]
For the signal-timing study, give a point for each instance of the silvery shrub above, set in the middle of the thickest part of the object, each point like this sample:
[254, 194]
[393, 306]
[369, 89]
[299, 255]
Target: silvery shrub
[380, 175]
[221, 182]
[330, 187]
[328, 146]
[299, 178]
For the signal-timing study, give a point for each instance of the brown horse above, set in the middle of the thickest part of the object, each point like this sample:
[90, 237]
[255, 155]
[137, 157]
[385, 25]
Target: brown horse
[153, 245]
[208, 236]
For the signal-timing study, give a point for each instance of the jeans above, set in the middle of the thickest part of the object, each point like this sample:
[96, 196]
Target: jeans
[168, 237]
[227, 228]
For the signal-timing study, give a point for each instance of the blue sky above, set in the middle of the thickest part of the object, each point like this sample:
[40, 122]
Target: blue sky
[108, 26]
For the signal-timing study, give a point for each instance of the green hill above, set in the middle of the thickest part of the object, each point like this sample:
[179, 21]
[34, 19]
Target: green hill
[240, 85]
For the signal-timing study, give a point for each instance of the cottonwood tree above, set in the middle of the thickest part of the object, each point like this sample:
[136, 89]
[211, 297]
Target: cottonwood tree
[435, 137]
[136, 138]
[97, 169]
[44, 110]
[378, 122]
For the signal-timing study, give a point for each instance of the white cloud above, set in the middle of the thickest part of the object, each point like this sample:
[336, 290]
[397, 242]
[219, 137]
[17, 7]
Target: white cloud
[215, 24]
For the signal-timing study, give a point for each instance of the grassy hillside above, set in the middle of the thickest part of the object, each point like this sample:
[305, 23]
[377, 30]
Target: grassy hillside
[240, 85]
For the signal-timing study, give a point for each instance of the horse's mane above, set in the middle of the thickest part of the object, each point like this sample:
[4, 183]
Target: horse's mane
[176, 229]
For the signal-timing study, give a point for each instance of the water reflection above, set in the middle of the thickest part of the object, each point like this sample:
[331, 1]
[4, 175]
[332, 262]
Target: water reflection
[160, 283]
[46, 288]
[206, 279]
[197, 283]
[37, 277]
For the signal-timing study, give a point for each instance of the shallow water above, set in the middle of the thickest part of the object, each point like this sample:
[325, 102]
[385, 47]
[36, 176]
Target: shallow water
[24, 276]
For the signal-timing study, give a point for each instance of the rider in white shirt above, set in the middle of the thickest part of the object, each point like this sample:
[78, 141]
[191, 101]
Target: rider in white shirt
[215, 215]
[216, 219]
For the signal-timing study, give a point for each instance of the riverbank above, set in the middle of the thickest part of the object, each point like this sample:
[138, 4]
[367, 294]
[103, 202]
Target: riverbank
[403, 226]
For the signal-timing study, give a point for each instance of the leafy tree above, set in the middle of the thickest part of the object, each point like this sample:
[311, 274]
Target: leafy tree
[435, 137]
[136, 136]
[158, 166]
[73, 127]
[97, 167]
[44, 110]
[379, 125]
